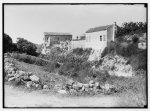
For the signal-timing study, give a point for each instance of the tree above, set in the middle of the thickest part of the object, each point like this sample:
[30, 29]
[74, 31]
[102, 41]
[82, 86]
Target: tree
[27, 47]
[131, 28]
[7, 43]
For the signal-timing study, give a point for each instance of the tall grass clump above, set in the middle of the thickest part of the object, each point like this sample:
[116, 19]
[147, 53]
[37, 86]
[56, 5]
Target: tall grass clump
[29, 59]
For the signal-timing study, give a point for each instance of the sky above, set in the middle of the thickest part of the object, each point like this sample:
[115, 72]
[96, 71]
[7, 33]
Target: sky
[31, 21]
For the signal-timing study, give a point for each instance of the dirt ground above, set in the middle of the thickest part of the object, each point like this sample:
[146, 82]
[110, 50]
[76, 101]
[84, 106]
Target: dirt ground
[15, 97]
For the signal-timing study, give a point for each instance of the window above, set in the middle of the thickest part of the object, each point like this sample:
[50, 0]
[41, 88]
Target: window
[100, 38]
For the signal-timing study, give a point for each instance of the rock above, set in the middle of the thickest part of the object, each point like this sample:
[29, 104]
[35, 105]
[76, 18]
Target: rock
[91, 85]
[36, 85]
[86, 89]
[91, 82]
[83, 88]
[12, 78]
[75, 86]
[29, 84]
[13, 72]
[26, 78]
[45, 87]
[70, 82]
[29, 73]
[97, 85]
[11, 64]
[86, 85]
[33, 84]
[72, 91]
[79, 84]
[10, 75]
[34, 78]
[106, 87]
[68, 87]
[21, 73]
[12, 69]
[17, 75]
[58, 86]
[62, 91]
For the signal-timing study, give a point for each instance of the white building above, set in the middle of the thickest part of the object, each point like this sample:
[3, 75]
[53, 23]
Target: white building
[99, 37]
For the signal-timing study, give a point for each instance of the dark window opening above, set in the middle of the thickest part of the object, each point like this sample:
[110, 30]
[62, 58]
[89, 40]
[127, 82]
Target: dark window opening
[100, 38]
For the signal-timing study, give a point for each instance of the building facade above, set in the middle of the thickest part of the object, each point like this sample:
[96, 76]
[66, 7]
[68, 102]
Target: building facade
[99, 37]
[56, 39]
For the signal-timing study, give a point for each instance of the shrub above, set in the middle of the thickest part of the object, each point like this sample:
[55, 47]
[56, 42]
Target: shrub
[27, 47]
[7, 43]
[131, 28]
[81, 51]
[30, 59]
[74, 66]
[121, 49]
[139, 61]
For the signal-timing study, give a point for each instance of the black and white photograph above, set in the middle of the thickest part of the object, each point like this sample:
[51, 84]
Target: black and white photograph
[75, 55]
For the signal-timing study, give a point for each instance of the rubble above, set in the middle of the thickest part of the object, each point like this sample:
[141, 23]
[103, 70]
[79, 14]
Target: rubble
[27, 78]
[116, 65]
[30, 80]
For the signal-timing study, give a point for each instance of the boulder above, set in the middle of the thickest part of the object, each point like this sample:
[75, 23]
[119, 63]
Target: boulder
[75, 86]
[12, 78]
[91, 82]
[21, 73]
[13, 72]
[10, 75]
[70, 82]
[91, 85]
[83, 88]
[29, 84]
[97, 85]
[17, 75]
[86, 85]
[29, 73]
[36, 85]
[72, 91]
[79, 85]
[34, 78]
[26, 78]
[58, 86]
[45, 87]
[62, 91]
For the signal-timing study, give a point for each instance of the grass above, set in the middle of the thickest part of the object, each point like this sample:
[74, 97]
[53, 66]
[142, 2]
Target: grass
[131, 89]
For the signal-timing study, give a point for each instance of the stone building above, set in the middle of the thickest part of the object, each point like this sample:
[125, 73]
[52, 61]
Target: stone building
[51, 39]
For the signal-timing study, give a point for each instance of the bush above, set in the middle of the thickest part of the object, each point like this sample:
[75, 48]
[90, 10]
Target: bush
[27, 47]
[131, 28]
[139, 61]
[74, 66]
[81, 51]
[117, 48]
[7, 43]
[29, 59]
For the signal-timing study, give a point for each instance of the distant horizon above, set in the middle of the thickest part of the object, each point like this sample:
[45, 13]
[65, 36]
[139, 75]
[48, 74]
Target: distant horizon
[31, 21]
